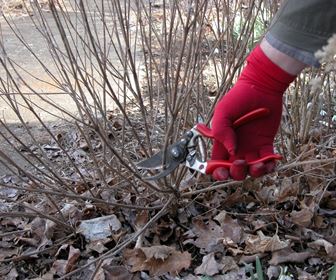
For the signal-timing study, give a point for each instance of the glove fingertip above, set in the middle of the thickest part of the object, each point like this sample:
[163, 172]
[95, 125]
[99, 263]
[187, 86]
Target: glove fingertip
[220, 174]
[270, 166]
[238, 170]
[257, 170]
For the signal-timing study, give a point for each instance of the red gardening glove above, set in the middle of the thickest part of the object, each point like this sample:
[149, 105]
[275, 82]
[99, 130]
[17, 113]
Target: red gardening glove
[260, 85]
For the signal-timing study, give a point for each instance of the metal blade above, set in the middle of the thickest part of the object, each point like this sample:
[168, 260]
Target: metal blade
[175, 155]
[154, 162]
[173, 165]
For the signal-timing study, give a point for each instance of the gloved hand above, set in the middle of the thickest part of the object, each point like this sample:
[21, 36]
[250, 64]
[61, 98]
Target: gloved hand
[260, 85]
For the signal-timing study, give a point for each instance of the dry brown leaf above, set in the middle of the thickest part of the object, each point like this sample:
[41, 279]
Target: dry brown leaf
[289, 255]
[329, 248]
[59, 267]
[262, 243]
[70, 212]
[74, 255]
[141, 219]
[98, 246]
[209, 265]
[233, 198]
[165, 229]
[268, 194]
[227, 263]
[233, 275]
[317, 244]
[235, 251]
[100, 273]
[62, 267]
[207, 235]
[157, 252]
[287, 190]
[331, 204]
[231, 228]
[304, 275]
[158, 260]
[118, 273]
[303, 217]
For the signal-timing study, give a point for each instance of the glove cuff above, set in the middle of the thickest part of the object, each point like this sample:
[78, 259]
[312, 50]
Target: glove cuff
[263, 72]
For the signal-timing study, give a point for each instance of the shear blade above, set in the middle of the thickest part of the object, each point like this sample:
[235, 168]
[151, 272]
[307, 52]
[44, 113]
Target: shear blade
[154, 162]
[172, 166]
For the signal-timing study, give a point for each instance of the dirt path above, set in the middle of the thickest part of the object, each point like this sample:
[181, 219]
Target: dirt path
[24, 45]
[25, 58]
[37, 82]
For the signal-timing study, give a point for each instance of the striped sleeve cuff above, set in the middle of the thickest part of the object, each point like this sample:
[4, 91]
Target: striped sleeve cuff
[301, 55]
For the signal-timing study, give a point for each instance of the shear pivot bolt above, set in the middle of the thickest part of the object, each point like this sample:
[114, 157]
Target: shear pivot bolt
[175, 152]
[190, 134]
[183, 141]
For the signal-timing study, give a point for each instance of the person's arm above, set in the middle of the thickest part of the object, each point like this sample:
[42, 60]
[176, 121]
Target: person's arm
[298, 30]
[260, 85]
[302, 27]
[284, 61]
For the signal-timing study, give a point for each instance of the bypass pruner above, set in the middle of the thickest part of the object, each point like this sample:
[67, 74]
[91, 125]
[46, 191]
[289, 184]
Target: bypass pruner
[190, 151]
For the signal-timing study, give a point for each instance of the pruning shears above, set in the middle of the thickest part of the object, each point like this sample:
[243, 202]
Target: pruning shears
[190, 151]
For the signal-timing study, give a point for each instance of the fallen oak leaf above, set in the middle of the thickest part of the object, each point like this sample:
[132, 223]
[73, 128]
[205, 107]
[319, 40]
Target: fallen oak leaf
[288, 190]
[239, 274]
[262, 243]
[329, 248]
[209, 266]
[141, 219]
[304, 275]
[74, 255]
[158, 260]
[317, 244]
[233, 198]
[165, 229]
[231, 228]
[59, 267]
[208, 236]
[64, 266]
[157, 252]
[303, 217]
[227, 263]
